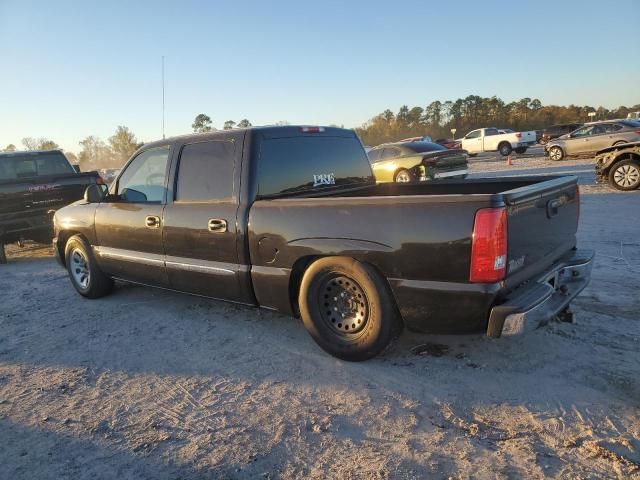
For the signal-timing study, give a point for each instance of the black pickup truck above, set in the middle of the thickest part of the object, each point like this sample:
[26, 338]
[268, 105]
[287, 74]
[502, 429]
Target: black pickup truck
[32, 186]
[291, 219]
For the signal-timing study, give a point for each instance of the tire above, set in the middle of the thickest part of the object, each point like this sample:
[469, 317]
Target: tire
[505, 149]
[625, 175]
[556, 154]
[369, 308]
[520, 149]
[403, 176]
[85, 275]
[472, 154]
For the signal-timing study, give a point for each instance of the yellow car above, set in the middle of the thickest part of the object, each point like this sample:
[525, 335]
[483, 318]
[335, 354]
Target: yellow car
[413, 161]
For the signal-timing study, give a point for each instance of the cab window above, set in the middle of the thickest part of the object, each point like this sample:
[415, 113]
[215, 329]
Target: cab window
[474, 134]
[143, 180]
[205, 172]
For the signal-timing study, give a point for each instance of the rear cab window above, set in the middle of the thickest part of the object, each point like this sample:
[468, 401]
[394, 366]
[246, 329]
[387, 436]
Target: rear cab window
[33, 165]
[290, 162]
[205, 172]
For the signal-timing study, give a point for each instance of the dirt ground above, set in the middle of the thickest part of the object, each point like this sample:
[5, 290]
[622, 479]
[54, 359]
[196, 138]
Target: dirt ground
[149, 384]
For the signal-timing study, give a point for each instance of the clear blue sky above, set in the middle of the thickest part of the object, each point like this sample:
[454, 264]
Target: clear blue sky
[72, 69]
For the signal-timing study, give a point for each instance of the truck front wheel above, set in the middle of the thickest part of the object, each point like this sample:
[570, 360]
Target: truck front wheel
[84, 272]
[348, 308]
[505, 149]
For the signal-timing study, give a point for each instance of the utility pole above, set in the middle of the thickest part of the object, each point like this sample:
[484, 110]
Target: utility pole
[163, 97]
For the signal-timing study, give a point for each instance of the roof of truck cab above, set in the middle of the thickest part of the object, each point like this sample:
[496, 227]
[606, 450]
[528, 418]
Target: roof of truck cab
[267, 130]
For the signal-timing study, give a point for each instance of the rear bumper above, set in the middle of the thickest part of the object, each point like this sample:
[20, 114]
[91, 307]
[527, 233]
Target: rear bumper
[539, 301]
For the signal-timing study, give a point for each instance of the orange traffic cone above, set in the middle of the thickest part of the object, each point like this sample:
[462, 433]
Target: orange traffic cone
[509, 160]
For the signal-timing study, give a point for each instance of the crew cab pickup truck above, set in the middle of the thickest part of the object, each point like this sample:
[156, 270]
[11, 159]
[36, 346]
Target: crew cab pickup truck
[32, 186]
[291, 219]
[492, 140]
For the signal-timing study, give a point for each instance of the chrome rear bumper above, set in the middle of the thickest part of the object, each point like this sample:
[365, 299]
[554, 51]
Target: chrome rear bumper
[529, 306]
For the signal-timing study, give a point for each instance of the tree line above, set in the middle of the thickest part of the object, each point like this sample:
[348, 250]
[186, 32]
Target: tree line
[95, 153]
[465, 114]
[435, 120]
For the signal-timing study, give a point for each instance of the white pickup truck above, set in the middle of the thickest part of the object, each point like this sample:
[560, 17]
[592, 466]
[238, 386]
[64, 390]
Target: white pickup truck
[491, 140]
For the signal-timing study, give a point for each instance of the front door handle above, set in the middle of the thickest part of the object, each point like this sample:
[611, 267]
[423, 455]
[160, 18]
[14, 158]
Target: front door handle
[217, 225]
[152, 221]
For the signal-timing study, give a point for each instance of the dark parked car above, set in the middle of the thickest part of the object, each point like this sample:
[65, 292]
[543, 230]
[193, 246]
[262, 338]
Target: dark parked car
[32, 186]
[291, 219]
[416, 161]
[555, 131]
[450, 144]
[620, 166]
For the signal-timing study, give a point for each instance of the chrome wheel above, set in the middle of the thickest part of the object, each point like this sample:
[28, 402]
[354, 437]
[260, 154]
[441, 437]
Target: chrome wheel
[403, 177]
[626, 176]
[555, 153]
[79, 267]
[343, 304]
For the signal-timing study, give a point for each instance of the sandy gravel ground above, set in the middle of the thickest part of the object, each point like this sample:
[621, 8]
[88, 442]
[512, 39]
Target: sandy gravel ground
[146, 384]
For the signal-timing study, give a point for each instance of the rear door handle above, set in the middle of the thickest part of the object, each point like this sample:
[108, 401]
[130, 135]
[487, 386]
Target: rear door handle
[217, 225]
[152, 221]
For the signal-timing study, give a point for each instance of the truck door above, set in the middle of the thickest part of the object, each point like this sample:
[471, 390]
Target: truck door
[200, 229]
[129, 221]
[472, 142]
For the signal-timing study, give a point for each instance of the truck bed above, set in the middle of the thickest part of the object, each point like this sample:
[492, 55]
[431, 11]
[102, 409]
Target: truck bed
[419, 236]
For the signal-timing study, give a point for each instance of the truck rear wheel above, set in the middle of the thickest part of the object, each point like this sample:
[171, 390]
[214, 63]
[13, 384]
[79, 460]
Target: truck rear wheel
[505, 149]
[84, 272]
[348, 308]
[520, 149]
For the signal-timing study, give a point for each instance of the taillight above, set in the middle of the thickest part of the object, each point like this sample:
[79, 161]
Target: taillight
[489, 246]
[312, 129]
[100, 181]
[518, 135]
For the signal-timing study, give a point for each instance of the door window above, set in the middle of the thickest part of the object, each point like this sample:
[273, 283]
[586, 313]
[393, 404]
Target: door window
[205, 172]
[612, 127]
[143, 180]
[585, 131]
[474, 134]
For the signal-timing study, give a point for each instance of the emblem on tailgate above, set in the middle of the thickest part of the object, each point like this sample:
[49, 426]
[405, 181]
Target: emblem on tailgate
[516, 264]
[324, 179]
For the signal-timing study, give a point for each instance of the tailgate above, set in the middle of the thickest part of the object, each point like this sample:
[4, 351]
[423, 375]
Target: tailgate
[542, 220]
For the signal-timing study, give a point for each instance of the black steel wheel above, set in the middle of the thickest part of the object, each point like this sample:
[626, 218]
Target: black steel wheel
[347, 308]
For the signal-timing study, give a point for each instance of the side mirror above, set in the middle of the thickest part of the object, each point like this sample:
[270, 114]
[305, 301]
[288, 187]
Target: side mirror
[95, 193]
[76, 167]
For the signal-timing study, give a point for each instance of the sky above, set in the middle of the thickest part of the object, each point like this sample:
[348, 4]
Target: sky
[71, 69]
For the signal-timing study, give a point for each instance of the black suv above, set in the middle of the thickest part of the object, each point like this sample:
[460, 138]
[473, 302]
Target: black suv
[555, 131]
